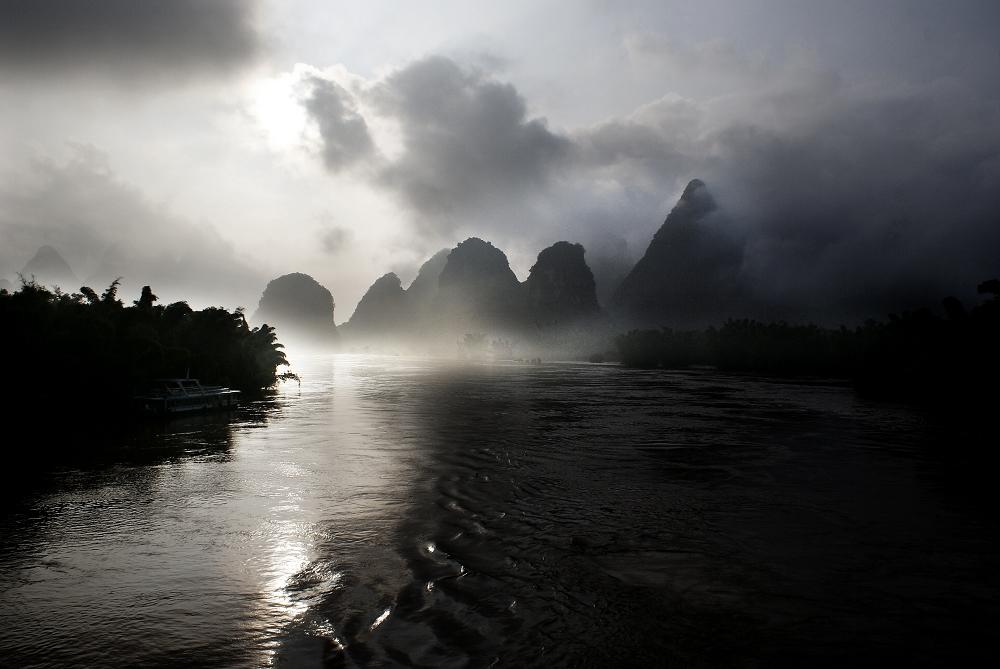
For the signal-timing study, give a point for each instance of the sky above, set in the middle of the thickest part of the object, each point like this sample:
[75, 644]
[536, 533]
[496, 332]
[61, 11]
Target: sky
[207, 147]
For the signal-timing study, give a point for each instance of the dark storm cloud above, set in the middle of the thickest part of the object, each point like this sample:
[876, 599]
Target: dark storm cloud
[851, 199]
[868, 202]
[106, 229]
[468, 141]
[126, 37]
[637, 153]
[344, 132]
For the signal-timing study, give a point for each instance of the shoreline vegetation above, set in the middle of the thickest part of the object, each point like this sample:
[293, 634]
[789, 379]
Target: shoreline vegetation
[87, 354]
[916, 356]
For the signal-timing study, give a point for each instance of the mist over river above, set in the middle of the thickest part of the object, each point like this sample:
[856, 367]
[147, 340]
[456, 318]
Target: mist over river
[403, 512]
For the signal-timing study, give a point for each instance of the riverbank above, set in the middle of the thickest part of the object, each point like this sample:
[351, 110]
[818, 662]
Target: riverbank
[83, 356]
[917, 356]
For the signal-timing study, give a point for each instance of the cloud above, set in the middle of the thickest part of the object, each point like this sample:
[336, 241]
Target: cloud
[335, 239]
[466, 140]
[105, 229]
[344, 132]
[124, 38]
[861, 200]
[852, 195]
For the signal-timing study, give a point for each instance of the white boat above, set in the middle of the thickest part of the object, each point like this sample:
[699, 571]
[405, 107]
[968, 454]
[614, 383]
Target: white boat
[170, 396]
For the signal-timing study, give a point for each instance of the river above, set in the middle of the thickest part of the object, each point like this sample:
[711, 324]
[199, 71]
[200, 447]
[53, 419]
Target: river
[402, 512]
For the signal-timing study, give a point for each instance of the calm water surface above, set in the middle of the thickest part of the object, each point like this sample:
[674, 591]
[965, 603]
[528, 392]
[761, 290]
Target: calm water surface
[407, 513]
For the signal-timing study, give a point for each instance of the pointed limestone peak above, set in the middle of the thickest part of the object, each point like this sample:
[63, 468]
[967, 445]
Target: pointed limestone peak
[477, 262]
[477, 290]
[300, 307]
[688, 276]
[560, 253]
[560, 285]
[693, 186]
[695, 201]
[48, 267]
[387, 282]
[382, 310]
[425, 286]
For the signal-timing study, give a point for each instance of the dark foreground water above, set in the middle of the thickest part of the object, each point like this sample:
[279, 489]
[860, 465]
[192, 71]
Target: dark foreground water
[403, 513]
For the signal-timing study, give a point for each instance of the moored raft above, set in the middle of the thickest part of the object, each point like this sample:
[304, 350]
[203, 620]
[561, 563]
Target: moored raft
[172, 396]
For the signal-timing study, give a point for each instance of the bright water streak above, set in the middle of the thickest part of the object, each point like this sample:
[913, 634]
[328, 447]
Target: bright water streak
[399, 512]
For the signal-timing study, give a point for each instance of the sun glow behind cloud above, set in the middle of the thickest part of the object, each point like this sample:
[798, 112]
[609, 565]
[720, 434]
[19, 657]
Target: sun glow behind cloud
[276, 107]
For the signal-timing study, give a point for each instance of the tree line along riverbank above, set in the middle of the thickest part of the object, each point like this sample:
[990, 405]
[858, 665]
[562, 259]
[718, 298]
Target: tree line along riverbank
[915, 355]
[82, 352]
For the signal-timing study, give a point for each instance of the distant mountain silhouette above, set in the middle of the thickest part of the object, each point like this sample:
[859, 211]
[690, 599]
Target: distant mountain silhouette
[471, 293]
[689, 274]
[560, 287]
[383, 310]
[477, 289]
[300, 308]
[424, 288]
[688, 277]
[610, 262]
[48, 267]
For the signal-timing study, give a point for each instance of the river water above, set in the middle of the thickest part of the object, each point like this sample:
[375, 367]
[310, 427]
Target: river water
[395, 512]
